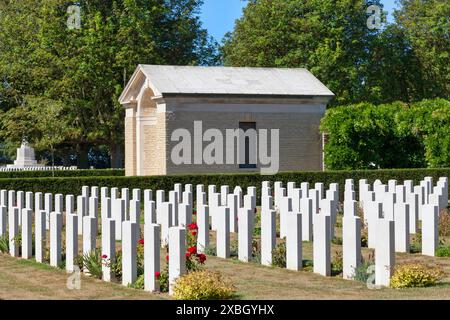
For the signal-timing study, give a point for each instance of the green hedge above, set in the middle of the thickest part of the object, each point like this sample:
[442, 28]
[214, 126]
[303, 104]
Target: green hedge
[72, 185]
[62, 173]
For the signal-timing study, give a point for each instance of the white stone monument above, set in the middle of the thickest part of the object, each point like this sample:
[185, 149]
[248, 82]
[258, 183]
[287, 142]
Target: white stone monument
[25, 157]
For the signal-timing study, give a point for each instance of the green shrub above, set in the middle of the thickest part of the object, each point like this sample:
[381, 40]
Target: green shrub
[415, 275]
[336, 240]
[139, 284]
[72, 185]
[444, 223]
[443, 251]
[4, 244]
[234, 249]
[308, 265]
[92, 261]
[361, 273]
[279, 255]
[393, 135]
[416, 243]
[203, 285]
[211, 250]
[116, 266]
[337, 264]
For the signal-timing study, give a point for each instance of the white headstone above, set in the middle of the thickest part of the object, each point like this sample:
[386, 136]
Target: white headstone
[71, 241]
[38, 196]
[307, 218]
[20, 204]
[3, 220]
[81, 212]
[118, 214]
[40, 236]
[114, 193]
[285, 208]
[166, 222]
[384, 251]
[224, 191]
[294, 241]
[29, 201]
[223, 232]
[125, 195]
[94, 192]
[232, 204]
[160, 198]
[55, 238]
[70, 204]
[150, 212]
[89, 234]
[93, 207]
[173, 199]
[412, 199]
[135, 216]
[13, 222]
[152, 245]
[322, 245]
[203, 228]
[401, 227]
[245, 235]
[268, 235]
[319, 186]
[27, 235]
[388, 205]
[129, 252]
[290, 188]
[48, 207]
[430, 232]
[108, 247]
[177, 255]
[351, 245]
[136, 194]
[184, 214]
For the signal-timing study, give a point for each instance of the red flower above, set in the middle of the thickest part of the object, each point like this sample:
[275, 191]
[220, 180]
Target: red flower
[194, 212]
[192, 226]
[141, 241]
[104, 256]
[201, 258]
[192, 250]
[167, 258]
[194, 233]
[188, 255]
[157, 274]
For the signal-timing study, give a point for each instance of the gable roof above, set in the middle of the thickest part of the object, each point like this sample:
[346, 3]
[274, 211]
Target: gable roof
[196, 80]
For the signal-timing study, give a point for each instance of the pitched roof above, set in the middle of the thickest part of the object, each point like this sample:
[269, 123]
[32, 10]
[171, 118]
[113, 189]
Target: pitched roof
[179, 80]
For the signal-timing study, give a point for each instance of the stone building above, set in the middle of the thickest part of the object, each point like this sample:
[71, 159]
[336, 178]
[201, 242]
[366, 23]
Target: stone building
[161, 99]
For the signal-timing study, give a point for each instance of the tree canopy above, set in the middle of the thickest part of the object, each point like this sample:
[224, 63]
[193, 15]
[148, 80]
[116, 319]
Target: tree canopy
[84, 70]
[406, 61]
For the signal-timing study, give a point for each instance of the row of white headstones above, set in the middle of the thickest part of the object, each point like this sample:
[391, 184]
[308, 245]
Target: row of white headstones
[391, 213]
[37, 168]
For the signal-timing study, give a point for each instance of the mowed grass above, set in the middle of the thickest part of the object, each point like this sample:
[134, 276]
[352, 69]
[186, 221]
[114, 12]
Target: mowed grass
[26, 279]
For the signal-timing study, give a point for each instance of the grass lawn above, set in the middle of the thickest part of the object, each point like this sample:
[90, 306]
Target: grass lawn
[25, 279]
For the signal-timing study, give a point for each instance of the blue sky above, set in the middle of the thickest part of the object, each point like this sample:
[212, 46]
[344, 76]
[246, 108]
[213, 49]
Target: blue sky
[218, 16]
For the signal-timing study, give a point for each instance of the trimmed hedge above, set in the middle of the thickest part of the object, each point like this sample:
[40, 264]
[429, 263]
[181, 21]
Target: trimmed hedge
[62, 173]
[72, 185]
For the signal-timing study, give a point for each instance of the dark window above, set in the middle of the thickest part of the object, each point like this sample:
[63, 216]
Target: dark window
[249, 147]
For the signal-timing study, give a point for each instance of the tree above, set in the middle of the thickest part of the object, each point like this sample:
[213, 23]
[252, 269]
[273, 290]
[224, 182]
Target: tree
[330, 38]
[86, 69]
[39, 121]
[426, 25]
[393, 72]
